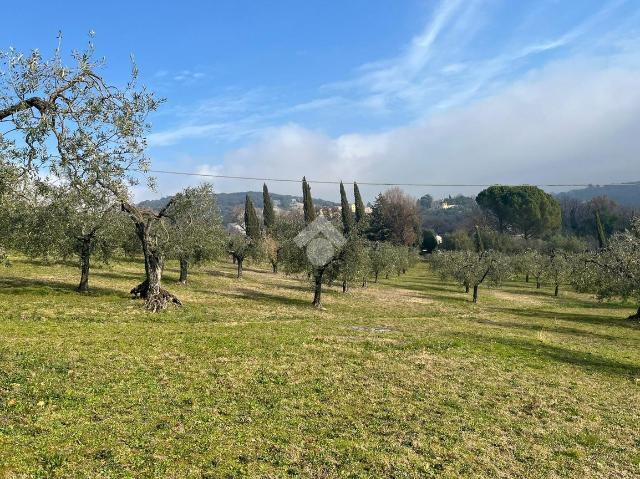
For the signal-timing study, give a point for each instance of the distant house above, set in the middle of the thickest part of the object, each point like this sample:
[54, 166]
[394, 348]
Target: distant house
[367, 209]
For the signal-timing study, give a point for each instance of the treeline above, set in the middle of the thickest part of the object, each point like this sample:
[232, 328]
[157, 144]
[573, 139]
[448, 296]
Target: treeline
[524, 238]
[577, 217]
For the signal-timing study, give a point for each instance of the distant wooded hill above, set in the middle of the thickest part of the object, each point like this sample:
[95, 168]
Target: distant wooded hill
[625, 195]
[228, 201]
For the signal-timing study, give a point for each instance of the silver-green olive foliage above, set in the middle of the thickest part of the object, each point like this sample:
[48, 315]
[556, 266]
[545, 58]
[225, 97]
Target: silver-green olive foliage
[65, 121]
[614, 271]
[471, 269]
[194, 226]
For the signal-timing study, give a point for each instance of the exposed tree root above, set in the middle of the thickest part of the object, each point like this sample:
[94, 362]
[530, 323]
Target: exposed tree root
[157, 301]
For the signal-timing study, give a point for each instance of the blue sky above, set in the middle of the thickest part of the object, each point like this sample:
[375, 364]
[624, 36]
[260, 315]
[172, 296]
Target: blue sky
[449, 91]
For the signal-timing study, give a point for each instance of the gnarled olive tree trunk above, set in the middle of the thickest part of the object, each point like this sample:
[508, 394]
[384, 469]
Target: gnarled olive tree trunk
[156, 298]
[84, 252]
[184, 270]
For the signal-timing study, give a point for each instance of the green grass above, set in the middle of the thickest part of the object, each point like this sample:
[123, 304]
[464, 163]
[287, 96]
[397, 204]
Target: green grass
[404, 379]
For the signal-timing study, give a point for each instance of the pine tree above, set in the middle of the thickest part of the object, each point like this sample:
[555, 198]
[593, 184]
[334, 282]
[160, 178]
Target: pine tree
[360, 212]
[307, 201]
[268, 214]
[251, 223]
[377, 229]
[347, 217]
[602, 241]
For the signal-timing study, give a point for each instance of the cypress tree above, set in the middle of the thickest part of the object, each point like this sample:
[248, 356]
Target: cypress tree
[307, 202]
[477, 239]
[347, 217]
[268, 214]
[360, 212]
[602, 241]
[251, 223]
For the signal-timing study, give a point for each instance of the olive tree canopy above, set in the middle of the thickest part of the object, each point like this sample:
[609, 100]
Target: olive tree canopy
[64, 120]
[615, 269]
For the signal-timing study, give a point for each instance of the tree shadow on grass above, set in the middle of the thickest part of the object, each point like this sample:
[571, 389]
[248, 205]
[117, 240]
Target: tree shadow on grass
[24, 286]
[253, 295]
[583, 359]
[298, 287]
[459, 298]
[572, 317]
[253, 269]
[549, 329]
[135, 277]
[425, 288]
[219, 274]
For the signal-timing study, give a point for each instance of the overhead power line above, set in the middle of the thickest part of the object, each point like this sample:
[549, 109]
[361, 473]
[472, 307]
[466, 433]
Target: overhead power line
[370, 183]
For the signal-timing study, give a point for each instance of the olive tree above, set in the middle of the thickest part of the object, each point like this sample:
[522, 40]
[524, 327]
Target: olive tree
[353, 262]
[195, 228]
[615, 269]
[151, 230]
[281, 232]
[533, 262]
[317, 247]
[58, 221]
[239, 247]
[66, 121]
[250, 243]
[87, 224]
[472, 269]
[381, 257]
[559, 268]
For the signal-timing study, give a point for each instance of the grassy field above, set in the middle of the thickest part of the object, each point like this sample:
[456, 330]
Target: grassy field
[404, 379]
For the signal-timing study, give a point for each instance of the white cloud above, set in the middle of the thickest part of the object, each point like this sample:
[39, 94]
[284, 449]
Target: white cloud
[572, 122]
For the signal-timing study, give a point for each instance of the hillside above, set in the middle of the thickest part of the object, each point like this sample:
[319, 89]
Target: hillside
[228, 201]
[625, 195]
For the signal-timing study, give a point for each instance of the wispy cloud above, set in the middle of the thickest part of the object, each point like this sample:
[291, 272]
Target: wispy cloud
[436, 70]
[235, 115]
[185, 77]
